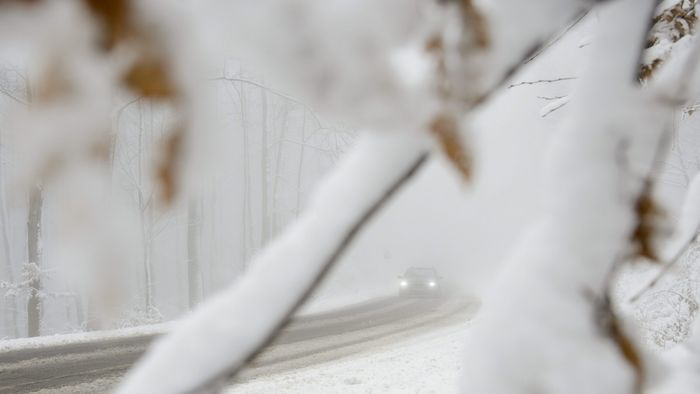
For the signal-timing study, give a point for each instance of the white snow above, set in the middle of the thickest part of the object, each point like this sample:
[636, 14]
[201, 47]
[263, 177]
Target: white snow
[405, 356]
[81, 337]
[223, 332]
[679, 371]
[324, 304]
[95, 387]
[689, 222]
[428, 363]
[316, 51]
[537, 332]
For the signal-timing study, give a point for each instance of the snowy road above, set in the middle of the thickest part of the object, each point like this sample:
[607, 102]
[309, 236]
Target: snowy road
[97, 365]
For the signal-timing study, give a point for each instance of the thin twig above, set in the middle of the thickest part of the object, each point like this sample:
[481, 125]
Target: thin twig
[544, 115]
[13, 97]
[690, 65]
[557, 38]
[666, 268]
[550, 98]
[539, 81]
[273, 91]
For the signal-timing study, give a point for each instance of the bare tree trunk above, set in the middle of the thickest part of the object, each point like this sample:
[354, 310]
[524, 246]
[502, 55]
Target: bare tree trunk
[34, 257]
[150, 204]
[194, 274]
[264, 175]
[144, 219]
[7, 245]
[300, 168]
[278, 164]
[681, 158]
[247, 236]
[213, 250]
[79, 315]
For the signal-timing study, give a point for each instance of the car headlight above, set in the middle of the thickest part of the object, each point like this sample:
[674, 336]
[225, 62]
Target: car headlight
[404, 283]
[431, 283]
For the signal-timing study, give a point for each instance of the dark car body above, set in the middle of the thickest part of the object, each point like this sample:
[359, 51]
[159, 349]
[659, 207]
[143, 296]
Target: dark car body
[420, 282]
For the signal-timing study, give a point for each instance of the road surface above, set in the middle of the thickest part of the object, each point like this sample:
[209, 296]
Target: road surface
[97, 366]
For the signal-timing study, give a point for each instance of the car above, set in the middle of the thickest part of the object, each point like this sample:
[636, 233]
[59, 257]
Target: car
[420, 282]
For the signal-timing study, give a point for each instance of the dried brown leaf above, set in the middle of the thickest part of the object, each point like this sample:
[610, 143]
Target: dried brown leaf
[629, 351]
[101, 150]
[167, 170]
[611, 327]
[446, 129]
[53, 85]
[113, 16]
[434, 44]
[150, 77]
[673, 23]
[435, 47]
[648, 215]
[477, 23]
[647, 70]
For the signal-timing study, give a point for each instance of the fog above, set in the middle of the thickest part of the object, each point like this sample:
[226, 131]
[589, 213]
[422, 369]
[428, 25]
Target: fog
[238, 192]
[246, 195]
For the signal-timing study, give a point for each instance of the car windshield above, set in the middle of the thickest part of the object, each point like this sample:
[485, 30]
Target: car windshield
[421, 272]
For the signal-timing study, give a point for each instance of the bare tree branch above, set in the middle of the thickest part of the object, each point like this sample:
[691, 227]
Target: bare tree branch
[667, 267]
[540, 81]
[557, 38]
[680, 97]
[7, 93]
[556, 107]
[550, 98]
[273, 91]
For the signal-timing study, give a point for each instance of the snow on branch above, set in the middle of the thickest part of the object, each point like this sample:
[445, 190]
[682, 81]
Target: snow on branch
[684, 237]
[217, 339]
[217, 346]
[413, 67]
[31, 274]
[672, 27]
[549, 325]
[676, 21]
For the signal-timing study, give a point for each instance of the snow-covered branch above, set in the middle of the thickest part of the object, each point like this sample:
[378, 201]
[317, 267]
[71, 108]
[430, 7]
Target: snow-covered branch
[684, 236]
[219, 347]
[222, 335]
[414, 75]
[542, 294]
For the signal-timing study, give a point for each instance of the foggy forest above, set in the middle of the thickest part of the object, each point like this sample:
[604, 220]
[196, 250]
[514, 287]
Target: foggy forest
[349, 196]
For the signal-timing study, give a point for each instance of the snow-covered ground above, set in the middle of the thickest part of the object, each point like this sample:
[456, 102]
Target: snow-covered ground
[329, 303]
[315, 306]
[411, 332]
[428, 363]
[81, 337]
